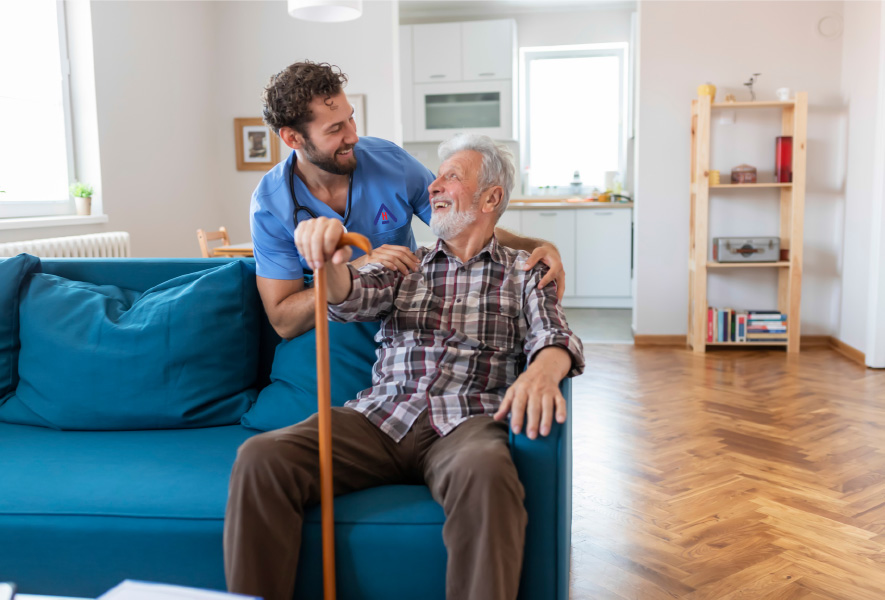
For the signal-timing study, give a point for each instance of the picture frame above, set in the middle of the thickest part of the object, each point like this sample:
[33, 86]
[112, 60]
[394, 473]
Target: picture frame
[358, 101]
[258, 149]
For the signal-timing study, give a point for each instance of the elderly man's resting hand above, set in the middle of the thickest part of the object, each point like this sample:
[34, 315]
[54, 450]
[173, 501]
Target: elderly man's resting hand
[534, 398]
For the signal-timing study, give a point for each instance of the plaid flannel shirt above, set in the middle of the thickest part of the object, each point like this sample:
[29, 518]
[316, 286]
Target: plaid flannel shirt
[454, 336]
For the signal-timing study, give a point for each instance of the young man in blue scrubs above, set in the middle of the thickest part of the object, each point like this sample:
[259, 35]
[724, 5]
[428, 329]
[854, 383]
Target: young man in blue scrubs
[373, 186]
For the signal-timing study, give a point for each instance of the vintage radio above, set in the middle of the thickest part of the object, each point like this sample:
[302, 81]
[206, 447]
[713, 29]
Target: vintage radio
[738, 249]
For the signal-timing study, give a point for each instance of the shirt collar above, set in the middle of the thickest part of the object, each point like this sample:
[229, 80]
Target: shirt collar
[492, 249]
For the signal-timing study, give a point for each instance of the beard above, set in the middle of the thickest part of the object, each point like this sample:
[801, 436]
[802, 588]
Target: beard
[328, 162]
[449, 225]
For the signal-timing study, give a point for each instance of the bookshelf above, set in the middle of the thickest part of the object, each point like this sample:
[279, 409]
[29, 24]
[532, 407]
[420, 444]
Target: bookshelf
[794, 117]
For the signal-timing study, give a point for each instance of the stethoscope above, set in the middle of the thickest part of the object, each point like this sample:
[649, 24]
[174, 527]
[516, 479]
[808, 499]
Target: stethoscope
[313, 215]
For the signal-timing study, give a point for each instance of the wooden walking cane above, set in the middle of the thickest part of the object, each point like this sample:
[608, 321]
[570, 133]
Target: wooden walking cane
[324, 414]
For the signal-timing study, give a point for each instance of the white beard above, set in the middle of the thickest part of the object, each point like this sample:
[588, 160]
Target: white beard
[449, 225]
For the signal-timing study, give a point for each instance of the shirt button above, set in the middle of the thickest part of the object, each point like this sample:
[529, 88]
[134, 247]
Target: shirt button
[458, 300]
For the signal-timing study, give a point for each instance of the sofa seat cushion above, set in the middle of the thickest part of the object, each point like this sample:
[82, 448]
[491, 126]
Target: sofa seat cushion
[170, 474]
[183, 353]
[173, 474]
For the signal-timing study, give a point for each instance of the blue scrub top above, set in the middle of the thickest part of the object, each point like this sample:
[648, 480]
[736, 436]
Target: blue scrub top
[389, 185]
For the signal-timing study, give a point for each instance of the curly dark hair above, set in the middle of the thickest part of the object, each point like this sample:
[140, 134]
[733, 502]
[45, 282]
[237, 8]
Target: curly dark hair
[288, 94]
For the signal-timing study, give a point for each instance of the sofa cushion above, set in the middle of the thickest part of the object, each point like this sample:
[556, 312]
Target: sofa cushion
[100, 357]
[291, 396]
[12, 272]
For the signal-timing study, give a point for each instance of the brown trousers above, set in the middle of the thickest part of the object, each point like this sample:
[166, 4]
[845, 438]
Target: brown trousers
[469, 472]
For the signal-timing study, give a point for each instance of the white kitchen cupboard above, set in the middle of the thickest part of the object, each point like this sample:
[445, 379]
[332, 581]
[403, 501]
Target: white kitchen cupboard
[436, 52]
[458, 77]
[487, 49]
[557, 226]
[595, 245]
[604, 246]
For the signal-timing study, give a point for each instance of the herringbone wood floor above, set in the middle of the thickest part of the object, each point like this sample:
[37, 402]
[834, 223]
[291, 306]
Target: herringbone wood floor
[735, 474]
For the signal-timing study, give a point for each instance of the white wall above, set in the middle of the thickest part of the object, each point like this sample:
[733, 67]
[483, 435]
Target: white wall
[258, 39]
[682, 45]
[170, 77]
[860, 82]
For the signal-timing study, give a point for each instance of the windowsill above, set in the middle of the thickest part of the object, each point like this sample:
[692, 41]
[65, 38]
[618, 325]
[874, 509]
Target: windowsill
[58, 221]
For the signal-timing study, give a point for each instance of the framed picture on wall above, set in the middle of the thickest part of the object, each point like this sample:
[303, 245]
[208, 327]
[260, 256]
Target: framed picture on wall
[358, 101]
[257, 147]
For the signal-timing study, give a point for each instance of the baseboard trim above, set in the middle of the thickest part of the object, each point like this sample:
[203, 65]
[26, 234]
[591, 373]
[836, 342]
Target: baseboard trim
[807, 341]
[847, 351]
[660, 340]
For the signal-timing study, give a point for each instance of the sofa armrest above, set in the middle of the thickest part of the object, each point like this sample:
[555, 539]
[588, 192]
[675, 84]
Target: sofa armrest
[545, 470]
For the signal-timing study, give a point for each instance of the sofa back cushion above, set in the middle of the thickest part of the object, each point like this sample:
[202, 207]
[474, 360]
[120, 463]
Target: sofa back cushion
[12, 272]
[99, 357]
[291, 396]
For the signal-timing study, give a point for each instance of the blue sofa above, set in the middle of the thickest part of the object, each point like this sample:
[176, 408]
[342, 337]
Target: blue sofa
[82, 510]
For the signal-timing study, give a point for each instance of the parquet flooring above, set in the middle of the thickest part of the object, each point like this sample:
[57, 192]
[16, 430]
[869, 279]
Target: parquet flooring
[725, 476]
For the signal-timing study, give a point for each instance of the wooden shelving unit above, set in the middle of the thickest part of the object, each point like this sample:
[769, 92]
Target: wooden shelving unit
[794, 117]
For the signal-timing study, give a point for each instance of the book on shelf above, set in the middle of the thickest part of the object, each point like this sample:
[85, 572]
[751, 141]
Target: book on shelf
[765, 316]
[730, 325]
[741, 334]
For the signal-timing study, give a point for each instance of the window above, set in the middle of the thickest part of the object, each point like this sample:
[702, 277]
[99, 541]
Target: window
[575, 100]
[36, 149]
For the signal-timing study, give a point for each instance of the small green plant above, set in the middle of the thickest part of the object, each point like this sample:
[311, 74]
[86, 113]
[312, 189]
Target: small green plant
[81, 190]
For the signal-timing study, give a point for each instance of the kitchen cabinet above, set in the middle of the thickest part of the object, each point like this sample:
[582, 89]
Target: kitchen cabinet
[604, 246]
[436, 52]
[458, 77]
[487, 49]
[595, 245]
[557, 226]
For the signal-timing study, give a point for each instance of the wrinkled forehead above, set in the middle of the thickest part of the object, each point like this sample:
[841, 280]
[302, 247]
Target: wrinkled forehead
[466, 162]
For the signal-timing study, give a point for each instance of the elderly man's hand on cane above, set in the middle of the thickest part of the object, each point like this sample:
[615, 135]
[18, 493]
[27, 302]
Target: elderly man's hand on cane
[317, 241]
[323, 244]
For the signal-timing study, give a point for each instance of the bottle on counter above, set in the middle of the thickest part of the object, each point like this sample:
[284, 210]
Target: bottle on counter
[576, 184]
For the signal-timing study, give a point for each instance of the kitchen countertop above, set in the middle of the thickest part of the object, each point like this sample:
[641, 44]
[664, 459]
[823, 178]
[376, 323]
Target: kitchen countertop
[561, 203]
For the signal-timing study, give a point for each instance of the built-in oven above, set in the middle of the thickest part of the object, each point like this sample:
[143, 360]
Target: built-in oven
[484, 107]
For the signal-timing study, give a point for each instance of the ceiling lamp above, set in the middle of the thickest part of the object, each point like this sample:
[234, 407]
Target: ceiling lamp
[326, 11]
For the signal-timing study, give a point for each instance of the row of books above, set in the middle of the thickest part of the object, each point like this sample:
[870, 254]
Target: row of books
[759, 326]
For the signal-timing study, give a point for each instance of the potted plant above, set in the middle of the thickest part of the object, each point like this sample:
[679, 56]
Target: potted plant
[82, 194]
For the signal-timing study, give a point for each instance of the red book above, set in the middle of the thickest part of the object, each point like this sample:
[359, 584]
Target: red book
[709, 324]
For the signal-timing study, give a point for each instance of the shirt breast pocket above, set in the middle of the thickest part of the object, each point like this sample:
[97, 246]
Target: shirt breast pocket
[417, 308]
[494, 319]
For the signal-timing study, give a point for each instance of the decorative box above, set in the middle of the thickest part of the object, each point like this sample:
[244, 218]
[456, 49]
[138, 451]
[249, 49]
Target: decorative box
[735, 249]
[743, 174]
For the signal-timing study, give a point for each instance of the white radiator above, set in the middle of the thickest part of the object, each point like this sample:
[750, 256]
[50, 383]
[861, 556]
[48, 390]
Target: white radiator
[112, 244]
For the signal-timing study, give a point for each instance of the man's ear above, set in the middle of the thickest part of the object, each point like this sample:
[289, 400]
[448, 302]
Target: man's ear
[493, 199]
[292, 138]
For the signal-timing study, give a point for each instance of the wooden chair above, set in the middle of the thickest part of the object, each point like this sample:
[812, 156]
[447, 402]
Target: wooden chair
[204, 237]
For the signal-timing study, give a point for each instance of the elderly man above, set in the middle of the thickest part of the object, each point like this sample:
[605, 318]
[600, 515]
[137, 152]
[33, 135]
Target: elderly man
[454, 336]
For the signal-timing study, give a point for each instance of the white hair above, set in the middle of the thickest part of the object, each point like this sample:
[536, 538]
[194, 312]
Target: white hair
[497, 162]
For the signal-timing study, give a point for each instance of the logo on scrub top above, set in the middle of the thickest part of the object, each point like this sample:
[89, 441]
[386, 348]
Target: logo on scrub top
[384, 215]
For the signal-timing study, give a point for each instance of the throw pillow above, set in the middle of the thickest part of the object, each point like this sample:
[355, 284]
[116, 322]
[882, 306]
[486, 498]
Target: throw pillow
[12, 272]
[291, 396]
[98, 357]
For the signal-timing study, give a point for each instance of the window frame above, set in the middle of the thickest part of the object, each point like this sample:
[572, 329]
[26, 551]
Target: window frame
[620, 50]
[61, 207]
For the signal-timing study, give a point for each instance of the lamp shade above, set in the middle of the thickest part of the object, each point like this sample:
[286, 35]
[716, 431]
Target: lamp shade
[326, 11]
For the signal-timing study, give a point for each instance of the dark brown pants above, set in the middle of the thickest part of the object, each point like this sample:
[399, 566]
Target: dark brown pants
[469, 472]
